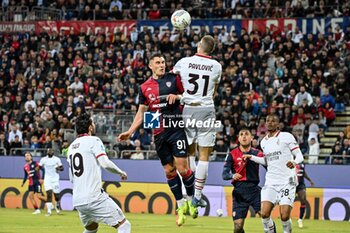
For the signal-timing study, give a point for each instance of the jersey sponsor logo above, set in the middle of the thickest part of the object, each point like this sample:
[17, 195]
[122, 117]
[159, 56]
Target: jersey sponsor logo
[161, 105]
[200, 67]
[148, 89]
[151, 120]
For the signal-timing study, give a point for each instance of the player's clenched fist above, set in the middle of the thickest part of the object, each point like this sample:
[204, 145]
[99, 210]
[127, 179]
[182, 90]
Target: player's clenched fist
[291, 164]
[123, 175]
[123, 136]
[246, 157]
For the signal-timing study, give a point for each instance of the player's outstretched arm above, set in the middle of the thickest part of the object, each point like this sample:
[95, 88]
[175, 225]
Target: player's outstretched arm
[135, 125]
[255, 159]
[111, 167]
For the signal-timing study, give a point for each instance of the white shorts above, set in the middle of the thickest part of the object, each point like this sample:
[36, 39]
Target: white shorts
[206, 134]
[279, 194]
[52, 185]
[106, 211]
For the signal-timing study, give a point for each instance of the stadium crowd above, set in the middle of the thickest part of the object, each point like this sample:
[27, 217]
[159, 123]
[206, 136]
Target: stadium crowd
[157, 9]
[46, 80]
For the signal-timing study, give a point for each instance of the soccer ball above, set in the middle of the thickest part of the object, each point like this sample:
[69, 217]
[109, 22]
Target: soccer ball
[180, 19]
[219, 212]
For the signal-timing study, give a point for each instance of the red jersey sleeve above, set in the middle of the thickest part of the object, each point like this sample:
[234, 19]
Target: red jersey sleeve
[179, 86]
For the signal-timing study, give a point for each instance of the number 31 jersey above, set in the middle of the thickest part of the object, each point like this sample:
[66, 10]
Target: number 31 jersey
[85, 171]
[199, 75]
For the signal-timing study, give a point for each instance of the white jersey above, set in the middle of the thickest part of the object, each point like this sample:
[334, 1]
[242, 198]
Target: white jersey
[199, 75]
[50, 165]
[278, 151]
[85, 171]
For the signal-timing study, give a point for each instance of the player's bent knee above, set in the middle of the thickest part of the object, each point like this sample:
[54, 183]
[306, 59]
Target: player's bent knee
[265, 214]
[285, 216]
[92, 227]
[49, 195]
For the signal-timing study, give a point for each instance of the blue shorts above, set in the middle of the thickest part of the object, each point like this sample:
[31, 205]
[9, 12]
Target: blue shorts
[36, 188]
[171, 143]
[242, 198]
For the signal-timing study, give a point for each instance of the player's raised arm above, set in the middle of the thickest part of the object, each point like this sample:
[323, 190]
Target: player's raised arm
[135, 124]
[228, 171]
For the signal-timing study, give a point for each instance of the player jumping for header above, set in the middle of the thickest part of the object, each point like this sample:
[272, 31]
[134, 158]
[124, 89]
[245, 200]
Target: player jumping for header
[200, 77]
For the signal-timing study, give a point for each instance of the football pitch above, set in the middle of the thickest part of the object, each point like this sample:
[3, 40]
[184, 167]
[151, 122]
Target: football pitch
[22, 220]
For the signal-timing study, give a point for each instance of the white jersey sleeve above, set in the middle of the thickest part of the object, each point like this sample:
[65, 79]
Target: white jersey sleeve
[85, 170]
[199, 76]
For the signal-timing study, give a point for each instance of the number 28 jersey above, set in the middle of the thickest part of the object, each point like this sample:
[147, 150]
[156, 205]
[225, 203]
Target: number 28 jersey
[199, 75]
[85, 171]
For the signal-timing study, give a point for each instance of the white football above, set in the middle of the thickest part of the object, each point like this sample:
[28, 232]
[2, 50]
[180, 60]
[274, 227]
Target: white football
[180, 19]
[219, 212]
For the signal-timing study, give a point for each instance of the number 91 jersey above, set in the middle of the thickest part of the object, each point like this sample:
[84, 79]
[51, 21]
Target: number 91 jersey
[85, 171]
[199, 75]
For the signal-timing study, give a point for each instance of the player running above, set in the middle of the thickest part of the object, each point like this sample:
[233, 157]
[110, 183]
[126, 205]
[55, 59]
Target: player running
[280, 184]
[86, 156]
[52, 166]
[200, 77]
[301, 190]
[245, 179]
[32, 172]
[160, 94]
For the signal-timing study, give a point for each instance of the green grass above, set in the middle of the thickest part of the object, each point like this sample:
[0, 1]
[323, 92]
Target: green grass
[21, 220]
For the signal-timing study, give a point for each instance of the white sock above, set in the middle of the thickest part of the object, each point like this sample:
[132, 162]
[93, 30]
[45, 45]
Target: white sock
[87, 231]
[287, 226]
[125, 227]
[201, 176]
[193, 163]
[268, 225]
[181, 202]
[49, 207]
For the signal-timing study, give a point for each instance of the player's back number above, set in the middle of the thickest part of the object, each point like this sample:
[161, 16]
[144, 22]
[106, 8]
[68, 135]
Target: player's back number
[194, 80]
[76, 164]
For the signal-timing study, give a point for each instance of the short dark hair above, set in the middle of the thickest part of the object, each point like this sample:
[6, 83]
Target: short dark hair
[156, 55]
[273, 115]
[244, 128]
[83, 123]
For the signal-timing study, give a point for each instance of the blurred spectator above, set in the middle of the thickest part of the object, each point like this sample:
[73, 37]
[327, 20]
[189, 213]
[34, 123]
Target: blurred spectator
[220, 150]
[15, 132]
[4, 143]
[314, 151]
[336, 155]
[303, 95]
[16, 143]
[138, 154]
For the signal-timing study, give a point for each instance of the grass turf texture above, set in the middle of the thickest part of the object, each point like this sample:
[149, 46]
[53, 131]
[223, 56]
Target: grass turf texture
[22, 220]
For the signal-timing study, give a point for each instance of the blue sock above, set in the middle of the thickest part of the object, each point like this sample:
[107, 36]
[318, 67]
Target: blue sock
[175, 186]
[302, 211]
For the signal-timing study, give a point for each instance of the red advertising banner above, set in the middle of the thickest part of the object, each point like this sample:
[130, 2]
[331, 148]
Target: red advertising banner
[16, 27]
[90, 27]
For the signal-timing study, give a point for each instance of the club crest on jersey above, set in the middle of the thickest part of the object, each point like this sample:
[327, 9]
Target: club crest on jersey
[168, 84]
[151, 97]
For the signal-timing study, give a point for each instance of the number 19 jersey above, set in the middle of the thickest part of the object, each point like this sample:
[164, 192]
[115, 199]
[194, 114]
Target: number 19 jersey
[85, 170]
[199, 75]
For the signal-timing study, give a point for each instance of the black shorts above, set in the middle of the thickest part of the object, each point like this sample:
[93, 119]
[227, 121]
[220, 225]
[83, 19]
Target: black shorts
[301, 186]
[36, 188]
[242, 198]
[169, 144]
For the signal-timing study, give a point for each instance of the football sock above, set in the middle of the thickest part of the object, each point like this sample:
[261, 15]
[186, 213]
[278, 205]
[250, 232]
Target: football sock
[35, 207]
[302, 211]
[188, 181]
[201, 176]
[175, 186]
[181, 202]
[287, 226]
[268, 225]
[125, 227]
[193, 163]
[49, 206]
